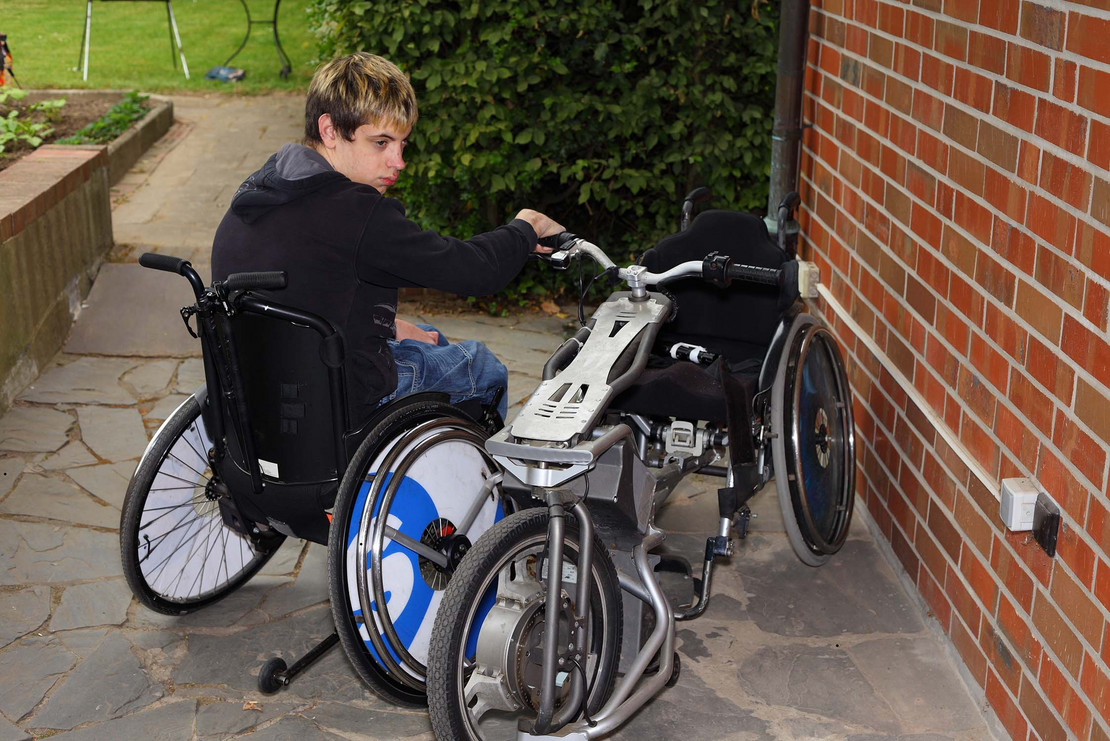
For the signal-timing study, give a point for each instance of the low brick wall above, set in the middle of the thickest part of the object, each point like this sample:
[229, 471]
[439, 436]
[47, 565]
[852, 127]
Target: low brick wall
[55, 230]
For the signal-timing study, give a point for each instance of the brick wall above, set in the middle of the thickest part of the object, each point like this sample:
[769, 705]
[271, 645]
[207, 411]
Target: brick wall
[957, 198]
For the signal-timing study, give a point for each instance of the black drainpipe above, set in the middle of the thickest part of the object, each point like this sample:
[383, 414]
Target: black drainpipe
[786, 136]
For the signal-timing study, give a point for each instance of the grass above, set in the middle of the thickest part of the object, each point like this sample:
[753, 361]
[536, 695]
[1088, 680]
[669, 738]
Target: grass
[130, 48]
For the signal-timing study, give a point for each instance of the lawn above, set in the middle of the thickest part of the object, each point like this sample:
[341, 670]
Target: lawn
[131, 50]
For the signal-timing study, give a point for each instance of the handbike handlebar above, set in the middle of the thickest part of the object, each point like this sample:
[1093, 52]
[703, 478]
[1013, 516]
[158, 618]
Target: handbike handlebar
[235, 281]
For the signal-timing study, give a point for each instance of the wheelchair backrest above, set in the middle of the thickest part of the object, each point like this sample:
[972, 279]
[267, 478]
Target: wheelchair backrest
[294, 391]
[740, 321]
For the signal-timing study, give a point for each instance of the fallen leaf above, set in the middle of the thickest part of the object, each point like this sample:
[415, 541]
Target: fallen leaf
[550, 307]
[252, 705]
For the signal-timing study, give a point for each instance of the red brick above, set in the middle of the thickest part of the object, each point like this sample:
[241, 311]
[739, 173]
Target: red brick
[934, 151]
[1065, 181]
[1057, 274]
[1044, 365]
[1087, 37]
[1100, 201]
[970, 652]
[1094, 87]
[1037, 710]
[919, 29]
[1034, 404]
[1000, 14]
[979, 530]
[1085, 453]
[1077, 554]
[1063, 80]
[995, 278]
[1039, 311]
[998, 146]
[984, 52]
[1052, 224]
[933, 594]
[988, 362]
[1043, 26]
[1064, 488]
[1006, 665]
[1029, 162]
[1096, 685]
[1005, 708]
[1006, 333]
[1082, 611]
[1057, 634]
[1029, 67]
[1087, 349]
[1096, 304]
[1064, 698]
[1092, 406]
[966, 299]
[937, 73]
[1012, 574]
[1098, 145]
[1015, 435]
[973, 216]
[1102, 584]
[1061, 126]
[1015, 106]
[951, 39]
[1011, 244]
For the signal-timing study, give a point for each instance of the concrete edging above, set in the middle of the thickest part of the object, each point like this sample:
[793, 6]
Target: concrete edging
[55, 229]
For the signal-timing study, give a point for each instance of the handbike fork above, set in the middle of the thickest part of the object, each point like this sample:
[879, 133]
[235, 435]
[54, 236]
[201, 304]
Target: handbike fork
[546, 720]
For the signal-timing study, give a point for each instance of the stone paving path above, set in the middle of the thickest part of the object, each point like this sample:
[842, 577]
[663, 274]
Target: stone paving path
[783, 652]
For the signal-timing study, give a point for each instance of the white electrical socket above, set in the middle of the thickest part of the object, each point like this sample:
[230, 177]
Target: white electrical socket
[1018, 502]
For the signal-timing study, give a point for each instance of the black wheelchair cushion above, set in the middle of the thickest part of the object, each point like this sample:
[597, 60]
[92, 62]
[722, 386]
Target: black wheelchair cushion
[680, 389]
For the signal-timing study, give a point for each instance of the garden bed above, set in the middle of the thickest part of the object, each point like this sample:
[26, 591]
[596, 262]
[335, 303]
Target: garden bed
[81, 109]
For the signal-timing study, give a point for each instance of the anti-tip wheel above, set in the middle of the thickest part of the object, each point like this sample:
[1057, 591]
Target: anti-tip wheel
[268, 681]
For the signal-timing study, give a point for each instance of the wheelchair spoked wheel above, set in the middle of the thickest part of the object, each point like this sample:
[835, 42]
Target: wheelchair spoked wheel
[814, 443]
[178, 555]
[419, 491]
[487, 644]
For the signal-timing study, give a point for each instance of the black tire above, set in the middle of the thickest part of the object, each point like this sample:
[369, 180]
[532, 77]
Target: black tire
[506, 546]
[177, 553]
[268, 682]
[389, 656]
[814, 444]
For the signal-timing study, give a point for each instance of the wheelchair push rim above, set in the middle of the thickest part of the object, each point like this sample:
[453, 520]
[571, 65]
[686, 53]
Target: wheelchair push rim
[814, 448]
[418, 474]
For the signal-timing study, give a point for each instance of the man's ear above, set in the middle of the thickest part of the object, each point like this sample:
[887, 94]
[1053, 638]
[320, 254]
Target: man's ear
[328, 132]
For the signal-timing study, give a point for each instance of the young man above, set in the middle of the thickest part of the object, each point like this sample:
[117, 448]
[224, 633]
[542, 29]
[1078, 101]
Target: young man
[318, 211]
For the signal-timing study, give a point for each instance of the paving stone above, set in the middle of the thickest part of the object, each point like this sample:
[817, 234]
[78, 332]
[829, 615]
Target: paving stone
[169, 721]
[107, 481]
[103, 602]
[693, 711]
[914, 678]
[46, 496]
[166, 406]
[150, 377]
[12, 732]
[33, 553]
[84, 381]
[309, 588]
[113, 324]
[291, 728]
[231, 611]
[818, 680]
[72, 455]
[82, 643]
[351, 719]
[113, 434]
[223, 719]
[39, 663]
[854, 592]
[108, 684]
[34, 429]
[284, 562]
[23, 611]
[190, 376]
[10, 468]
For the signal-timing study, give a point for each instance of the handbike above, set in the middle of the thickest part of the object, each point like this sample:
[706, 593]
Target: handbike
[602, 441]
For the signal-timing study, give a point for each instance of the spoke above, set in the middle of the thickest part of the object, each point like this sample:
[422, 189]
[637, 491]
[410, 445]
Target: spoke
[479, 502]
[416, 546]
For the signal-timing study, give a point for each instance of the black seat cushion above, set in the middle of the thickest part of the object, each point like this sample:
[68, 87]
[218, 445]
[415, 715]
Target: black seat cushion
[681, 389]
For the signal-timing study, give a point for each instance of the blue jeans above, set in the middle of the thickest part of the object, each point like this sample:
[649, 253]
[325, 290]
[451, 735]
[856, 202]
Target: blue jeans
[465, 370]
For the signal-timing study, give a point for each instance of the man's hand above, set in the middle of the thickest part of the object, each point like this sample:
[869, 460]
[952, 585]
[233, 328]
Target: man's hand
[409, 331]
[544, 226]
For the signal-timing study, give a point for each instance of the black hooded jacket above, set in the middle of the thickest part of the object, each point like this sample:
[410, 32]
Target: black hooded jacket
[347, 249]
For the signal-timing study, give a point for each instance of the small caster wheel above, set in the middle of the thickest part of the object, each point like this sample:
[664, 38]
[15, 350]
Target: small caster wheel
[676, 669]
[268, 680]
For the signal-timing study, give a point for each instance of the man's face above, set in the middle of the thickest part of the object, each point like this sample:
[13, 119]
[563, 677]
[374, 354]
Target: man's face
[374, 157]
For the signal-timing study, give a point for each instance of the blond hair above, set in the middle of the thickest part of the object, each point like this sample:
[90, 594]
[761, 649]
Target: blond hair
[358, 89]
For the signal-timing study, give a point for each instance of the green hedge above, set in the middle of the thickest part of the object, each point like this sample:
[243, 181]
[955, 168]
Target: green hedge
[602, 115]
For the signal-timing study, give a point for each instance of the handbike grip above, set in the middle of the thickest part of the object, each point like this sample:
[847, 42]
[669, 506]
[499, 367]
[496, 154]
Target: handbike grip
[163, 262]
[249, 281]
[557, 241]
[754, 274]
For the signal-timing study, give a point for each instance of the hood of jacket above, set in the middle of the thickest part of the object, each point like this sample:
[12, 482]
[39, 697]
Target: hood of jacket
[292, 173]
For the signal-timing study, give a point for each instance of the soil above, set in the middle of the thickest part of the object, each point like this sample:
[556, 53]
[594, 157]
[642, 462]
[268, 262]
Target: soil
[80, 110]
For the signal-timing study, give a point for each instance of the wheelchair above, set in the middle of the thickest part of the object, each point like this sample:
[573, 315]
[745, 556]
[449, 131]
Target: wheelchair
[266, 450]
[729, 375]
